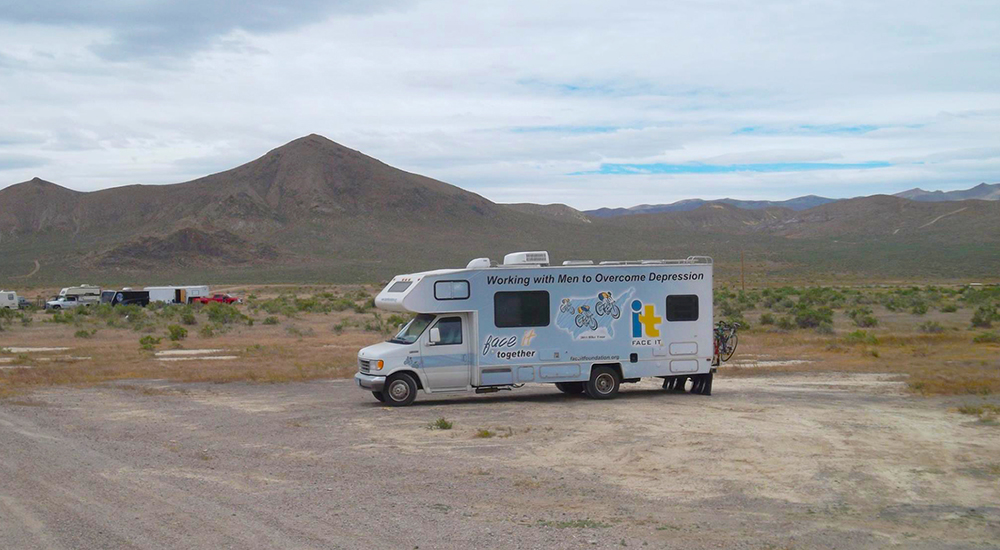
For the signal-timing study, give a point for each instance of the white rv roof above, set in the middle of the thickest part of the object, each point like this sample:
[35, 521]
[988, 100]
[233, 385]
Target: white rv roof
[690, 260]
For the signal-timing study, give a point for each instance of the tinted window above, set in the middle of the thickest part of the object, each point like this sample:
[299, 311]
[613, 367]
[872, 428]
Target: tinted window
[451, 330]
[682, 307]
[521, 309]
[451, 290]
[400, 286]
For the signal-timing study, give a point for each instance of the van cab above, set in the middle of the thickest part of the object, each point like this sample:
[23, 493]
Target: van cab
[436, 348]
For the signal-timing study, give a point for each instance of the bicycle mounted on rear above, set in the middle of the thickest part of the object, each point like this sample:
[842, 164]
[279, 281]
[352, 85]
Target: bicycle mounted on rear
[726, 340]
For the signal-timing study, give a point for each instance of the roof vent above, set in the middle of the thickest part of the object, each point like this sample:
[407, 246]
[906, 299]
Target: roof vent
[578, 262]
[539, 257]
[478, 263]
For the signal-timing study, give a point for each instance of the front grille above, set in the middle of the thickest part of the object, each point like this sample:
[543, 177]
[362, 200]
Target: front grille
[364, 365]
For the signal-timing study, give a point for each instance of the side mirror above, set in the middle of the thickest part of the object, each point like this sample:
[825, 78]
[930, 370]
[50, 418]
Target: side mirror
[435, 336]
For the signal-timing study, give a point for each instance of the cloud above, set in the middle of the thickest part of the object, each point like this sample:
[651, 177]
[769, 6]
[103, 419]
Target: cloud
[809, 129]
[170, 28]
[17, 162]
[699, 168]
[507, 99]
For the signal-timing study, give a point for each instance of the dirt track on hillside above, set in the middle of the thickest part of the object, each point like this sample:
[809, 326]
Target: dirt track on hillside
[789, 461]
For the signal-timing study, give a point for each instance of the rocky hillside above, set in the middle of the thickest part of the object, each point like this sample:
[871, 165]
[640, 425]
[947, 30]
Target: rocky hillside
[315, 210]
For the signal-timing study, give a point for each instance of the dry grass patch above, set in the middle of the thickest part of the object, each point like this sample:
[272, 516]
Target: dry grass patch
[266, 354]
[942, 363]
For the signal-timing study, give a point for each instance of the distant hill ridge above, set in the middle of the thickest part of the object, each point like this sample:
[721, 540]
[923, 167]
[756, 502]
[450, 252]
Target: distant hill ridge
[983, 191]
[314, 210]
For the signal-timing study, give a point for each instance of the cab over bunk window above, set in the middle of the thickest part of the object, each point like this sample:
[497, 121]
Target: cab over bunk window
[528, 308]
[451, 290]
[399, 286]
[682, 307]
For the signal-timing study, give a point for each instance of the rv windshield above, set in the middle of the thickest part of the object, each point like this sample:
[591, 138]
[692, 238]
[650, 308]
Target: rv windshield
[412, 330]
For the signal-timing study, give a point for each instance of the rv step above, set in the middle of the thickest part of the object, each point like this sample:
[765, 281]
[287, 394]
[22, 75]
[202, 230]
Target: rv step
[491, 389]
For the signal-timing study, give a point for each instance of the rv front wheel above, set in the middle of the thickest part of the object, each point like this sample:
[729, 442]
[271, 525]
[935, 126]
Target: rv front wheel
[570, 387]
[604, 383]
[400, 390]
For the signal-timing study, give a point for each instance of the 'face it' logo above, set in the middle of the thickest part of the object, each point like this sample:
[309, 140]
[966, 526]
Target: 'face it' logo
[645, 321]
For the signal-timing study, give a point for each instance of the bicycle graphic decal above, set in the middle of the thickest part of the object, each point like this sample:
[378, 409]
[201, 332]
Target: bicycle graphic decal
[592, 317]
[606, 305]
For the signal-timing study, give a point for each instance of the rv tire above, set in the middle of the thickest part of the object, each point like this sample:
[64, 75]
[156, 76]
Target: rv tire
[400, 390]
[603, 383]
[571, 388]
[379, 395]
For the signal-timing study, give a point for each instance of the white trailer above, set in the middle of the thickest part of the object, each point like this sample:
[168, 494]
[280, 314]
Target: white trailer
[176, 294]
[584, 327]
[8, 299]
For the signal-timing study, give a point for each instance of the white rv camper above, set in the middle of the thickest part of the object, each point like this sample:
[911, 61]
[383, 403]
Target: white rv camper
[75, 296]
[8, 299]
[584, 327]
[176, 294]
[83, 293]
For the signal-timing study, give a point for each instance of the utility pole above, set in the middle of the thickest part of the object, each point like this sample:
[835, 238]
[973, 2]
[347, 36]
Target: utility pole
[743, 282]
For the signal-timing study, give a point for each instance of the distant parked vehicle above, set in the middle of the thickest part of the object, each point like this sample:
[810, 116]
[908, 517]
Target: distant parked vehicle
[125, 297]
[68, 302]
[220, 298]
[84, 293]
[177, 294]
[8, 299]
[23, 303]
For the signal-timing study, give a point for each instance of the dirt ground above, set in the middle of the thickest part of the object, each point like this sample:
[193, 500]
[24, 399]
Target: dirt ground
[784, 460]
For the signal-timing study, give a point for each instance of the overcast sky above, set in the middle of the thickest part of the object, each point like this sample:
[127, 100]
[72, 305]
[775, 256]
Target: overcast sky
[585, 103]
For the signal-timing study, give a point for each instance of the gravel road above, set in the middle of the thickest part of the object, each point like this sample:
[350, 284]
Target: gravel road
[791, 461]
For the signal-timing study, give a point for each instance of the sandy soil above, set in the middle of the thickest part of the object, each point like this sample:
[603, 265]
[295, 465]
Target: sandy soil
[777, 461]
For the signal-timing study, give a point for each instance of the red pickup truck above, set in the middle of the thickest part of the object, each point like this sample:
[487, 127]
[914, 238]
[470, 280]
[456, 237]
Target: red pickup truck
[221, 298]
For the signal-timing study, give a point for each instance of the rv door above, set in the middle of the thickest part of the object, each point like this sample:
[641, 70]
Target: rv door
[445, 355]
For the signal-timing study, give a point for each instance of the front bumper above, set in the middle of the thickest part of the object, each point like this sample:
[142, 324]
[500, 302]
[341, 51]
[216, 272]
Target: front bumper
[369, 382]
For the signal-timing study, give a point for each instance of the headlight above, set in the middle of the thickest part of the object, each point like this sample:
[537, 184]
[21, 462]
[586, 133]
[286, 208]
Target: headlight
[379, 364]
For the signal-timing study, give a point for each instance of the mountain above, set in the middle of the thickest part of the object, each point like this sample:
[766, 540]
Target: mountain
[311, 206]
[315, 211]
[798, 203]
[982, 192]
[559, 212]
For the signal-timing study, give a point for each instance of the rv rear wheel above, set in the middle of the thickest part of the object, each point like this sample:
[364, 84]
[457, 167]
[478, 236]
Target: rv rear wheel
[570, 387]
[400, 390]
[379, 395]
[604, 383]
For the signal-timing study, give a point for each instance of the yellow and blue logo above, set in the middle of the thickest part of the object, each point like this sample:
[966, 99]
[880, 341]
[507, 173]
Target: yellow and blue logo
[645, 321]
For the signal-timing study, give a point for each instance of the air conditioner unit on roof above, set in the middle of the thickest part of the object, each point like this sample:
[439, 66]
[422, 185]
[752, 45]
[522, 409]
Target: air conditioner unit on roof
[539, 257]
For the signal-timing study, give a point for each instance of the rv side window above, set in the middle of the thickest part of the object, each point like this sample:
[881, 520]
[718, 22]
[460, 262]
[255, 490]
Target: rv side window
[682, 307]
[521, 309]
[399, 286]
[451, 330]
[451, 290]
